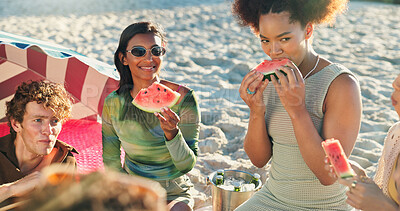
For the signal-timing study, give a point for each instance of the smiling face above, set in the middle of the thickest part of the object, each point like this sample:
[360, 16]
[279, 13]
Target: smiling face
[281, 38]
[38, 131]
[396, 95]
[148, 66]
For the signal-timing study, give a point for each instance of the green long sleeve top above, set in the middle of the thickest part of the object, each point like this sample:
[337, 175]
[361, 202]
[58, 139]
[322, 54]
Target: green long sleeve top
[147, 152]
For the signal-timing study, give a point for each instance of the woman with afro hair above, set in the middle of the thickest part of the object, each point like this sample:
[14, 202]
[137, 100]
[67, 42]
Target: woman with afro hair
[293, 113]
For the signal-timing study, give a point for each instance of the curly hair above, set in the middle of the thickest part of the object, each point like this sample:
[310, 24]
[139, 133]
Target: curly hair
[248, 12]
[126, 82]
[52, 95]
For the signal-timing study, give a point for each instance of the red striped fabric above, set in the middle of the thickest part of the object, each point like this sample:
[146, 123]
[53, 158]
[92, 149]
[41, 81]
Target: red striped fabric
[2, 60]
[37, 62]
[9, 86]
[74, 79]
[110, 86]
[3, 51]
[35, 68]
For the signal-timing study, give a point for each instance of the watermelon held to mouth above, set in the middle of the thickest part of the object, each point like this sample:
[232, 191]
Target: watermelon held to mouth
[268, 67]
[333, 149]
[156, 96]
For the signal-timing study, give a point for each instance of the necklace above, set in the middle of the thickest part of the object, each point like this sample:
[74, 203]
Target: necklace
[316, 64]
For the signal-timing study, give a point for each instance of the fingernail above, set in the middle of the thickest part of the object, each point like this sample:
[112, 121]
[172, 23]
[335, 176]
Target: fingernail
[162, 109]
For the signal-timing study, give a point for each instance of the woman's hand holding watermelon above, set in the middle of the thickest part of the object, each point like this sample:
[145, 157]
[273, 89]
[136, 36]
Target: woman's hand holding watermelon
[365, 195]
[253, 82]
[290, 88]
[168, 122]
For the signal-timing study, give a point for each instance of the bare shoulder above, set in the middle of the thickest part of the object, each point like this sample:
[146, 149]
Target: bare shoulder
[344, 82]
[344, 88]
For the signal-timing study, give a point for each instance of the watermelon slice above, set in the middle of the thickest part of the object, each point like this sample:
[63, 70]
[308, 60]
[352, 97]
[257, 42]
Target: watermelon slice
[268, 67]
[155, 97]
[333, 149]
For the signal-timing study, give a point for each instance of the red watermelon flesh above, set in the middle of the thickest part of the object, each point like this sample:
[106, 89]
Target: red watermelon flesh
[268, 67]
[156, 96]
[333, 149]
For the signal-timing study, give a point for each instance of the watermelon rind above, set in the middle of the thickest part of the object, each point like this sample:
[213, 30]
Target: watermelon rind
[268, 75]
[345, 175]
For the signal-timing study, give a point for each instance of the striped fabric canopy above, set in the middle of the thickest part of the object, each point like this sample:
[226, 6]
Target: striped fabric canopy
[88, 80]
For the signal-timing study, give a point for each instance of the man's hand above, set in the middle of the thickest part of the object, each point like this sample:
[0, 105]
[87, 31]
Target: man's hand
[26, 184]
[21, 186]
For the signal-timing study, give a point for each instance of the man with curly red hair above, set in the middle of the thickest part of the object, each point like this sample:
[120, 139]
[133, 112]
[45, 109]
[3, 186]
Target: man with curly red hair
[290, 116]
[35, 115]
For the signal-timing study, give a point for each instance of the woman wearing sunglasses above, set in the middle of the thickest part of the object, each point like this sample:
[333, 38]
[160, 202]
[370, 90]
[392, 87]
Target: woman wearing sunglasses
[291, 115]
[160, 146]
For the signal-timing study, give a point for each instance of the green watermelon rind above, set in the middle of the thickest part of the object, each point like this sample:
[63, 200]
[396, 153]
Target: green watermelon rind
[268, 75]
[177, 96]
[345, 175]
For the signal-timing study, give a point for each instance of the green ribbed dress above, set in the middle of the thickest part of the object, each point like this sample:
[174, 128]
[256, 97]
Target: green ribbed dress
[291, 184]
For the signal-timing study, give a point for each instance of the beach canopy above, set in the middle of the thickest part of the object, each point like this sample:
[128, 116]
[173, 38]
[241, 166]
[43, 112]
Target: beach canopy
[88, 80]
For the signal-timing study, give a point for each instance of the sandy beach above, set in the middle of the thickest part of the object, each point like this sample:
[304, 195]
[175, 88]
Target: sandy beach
[209, 52]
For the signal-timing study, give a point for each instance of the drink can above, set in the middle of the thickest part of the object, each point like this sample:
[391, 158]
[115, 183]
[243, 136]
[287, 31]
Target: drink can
[219, 180]
[236, 187]
[255, 179]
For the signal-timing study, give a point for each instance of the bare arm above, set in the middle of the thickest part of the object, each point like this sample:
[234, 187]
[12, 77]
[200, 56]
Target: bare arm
[341, 121]
[20, 187]
[342, 109]
[256, 143]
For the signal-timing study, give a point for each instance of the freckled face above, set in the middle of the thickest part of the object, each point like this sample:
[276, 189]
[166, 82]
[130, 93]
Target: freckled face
[39, 129]
[396, 94]
[148, 66]
[281, 38]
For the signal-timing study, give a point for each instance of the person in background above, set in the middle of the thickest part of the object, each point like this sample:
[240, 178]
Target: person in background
[382, 193]
[35, 115]
[160, 146]
[100, 190]
[291, 115]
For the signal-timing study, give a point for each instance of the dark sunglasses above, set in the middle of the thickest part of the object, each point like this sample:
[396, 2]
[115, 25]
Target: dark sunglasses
[140, 51]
